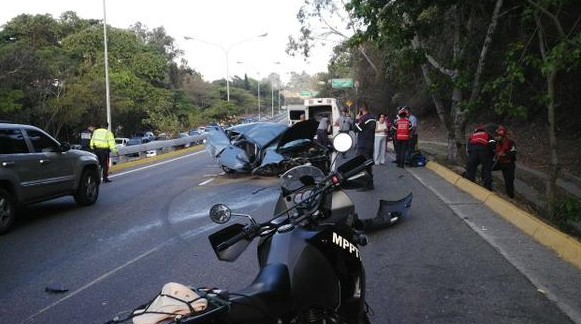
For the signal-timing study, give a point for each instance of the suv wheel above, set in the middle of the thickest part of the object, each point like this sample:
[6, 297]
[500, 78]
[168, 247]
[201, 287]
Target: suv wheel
[7, 211]
[88, 188]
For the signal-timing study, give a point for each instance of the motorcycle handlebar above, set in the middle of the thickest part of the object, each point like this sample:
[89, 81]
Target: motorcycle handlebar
[231, 241]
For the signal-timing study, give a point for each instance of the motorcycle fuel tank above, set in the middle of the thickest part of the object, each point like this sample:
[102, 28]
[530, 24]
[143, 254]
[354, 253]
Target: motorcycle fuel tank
[324, 265]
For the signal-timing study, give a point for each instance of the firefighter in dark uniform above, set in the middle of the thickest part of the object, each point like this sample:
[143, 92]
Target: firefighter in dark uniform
[505, 159]
[480, 153]
[365, 128]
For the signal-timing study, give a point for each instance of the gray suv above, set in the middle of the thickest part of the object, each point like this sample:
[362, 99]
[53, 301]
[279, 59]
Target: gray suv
[35, 167]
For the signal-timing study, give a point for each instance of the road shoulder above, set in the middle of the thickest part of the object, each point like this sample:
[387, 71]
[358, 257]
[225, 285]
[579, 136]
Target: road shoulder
[535, 256]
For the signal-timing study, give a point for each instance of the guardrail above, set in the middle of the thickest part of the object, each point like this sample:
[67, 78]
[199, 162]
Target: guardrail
[134, 152]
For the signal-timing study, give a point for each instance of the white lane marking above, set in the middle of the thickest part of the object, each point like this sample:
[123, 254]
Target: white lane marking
[130, 262]
[206, 182]
[155, 164]
[119, 268]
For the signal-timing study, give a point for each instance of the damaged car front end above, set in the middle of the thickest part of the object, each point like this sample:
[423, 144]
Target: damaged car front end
[267, 149]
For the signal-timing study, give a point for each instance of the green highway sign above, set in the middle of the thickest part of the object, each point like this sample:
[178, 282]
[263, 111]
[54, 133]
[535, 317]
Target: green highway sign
[341, 83]
[309, 94]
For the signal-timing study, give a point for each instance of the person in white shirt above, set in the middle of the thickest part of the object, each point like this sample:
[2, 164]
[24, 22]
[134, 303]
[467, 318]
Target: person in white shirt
[381, 130]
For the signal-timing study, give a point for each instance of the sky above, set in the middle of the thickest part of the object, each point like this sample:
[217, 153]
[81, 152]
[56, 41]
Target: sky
[223, 31]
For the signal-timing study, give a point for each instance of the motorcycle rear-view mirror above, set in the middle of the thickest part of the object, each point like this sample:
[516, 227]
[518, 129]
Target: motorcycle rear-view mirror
[342, 142]
[220, 214]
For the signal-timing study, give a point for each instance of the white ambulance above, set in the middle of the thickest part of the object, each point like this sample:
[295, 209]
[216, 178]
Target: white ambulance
[315, 107]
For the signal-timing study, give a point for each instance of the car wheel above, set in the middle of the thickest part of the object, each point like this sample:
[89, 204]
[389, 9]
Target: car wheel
[7, 211]
[88, 188]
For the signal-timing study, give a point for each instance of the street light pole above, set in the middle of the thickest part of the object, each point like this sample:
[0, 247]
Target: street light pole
[107, 94]
[271, 99]
[226, 51]
[258, 86]
[258, 95]
[272, 90]
[279, 98]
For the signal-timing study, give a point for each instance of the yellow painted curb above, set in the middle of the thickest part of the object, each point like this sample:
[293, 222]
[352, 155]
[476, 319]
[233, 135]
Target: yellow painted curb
[526, 222]
[454, 178]
[567, 247]
[474, 189]
[444, 172]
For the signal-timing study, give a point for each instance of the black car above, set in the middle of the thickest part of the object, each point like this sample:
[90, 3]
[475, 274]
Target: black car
[267, 149]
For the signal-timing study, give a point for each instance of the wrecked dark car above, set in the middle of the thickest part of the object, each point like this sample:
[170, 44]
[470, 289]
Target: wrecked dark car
[267, 149]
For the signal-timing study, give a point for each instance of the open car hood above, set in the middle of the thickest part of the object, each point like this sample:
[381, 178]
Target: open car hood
[300, 131]
[259, 133]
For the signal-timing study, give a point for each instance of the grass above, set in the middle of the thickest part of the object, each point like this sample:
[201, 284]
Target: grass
[569, 223]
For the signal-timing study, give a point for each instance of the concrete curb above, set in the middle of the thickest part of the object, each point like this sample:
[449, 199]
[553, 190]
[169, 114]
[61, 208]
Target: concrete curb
[567, 247]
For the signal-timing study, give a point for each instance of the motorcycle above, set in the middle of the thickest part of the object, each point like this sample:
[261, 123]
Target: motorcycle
[308, 252]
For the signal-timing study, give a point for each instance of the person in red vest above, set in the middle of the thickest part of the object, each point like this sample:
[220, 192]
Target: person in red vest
[403, 135]
[479, 153]
[505, 159]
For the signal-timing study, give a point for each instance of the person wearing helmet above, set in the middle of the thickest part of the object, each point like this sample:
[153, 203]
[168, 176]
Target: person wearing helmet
[403, 133]
[479, 153]
[505, 159]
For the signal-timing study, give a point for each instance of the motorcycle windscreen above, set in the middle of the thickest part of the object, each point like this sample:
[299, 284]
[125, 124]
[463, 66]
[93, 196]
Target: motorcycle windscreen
[216, 142]
[231, 253]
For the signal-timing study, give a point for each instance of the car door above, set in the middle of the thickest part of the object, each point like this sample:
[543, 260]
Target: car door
[18, 165]
[55, 169]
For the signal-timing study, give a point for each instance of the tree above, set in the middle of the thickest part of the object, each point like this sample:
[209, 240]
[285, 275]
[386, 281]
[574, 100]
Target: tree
[34, 71]
[322, 22]
[137, 74]
[554, 24]
[52, 75]
[444, 36]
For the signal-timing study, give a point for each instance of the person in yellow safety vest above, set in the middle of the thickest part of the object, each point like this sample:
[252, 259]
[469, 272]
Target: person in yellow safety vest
[103, 143]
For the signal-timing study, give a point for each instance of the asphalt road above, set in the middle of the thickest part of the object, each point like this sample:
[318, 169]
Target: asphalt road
[150, 226]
